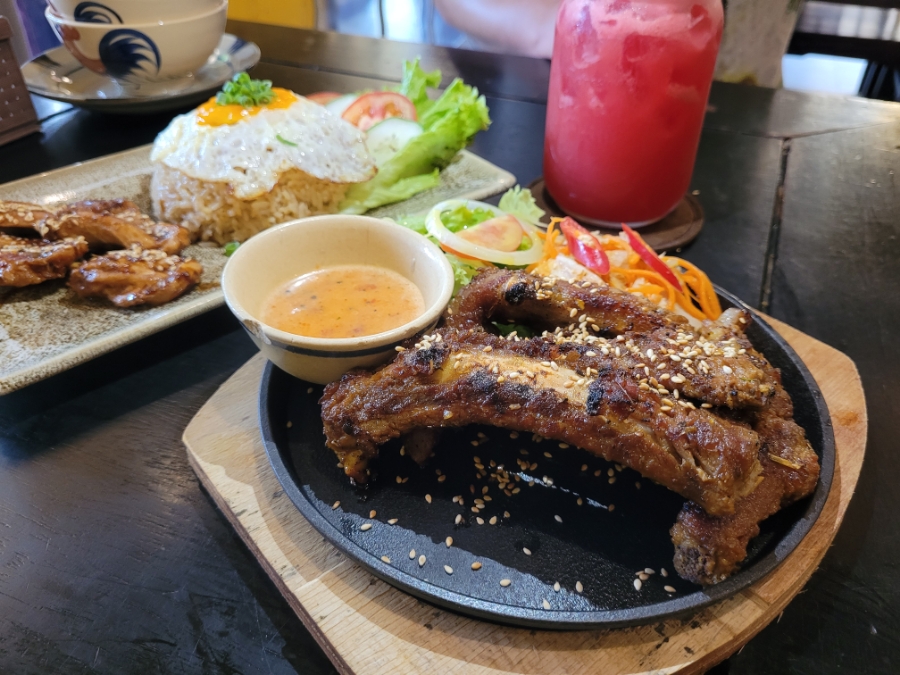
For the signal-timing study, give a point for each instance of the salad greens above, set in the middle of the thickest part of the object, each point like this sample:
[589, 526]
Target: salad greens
[449, 123]
[516, 202]
[243, 91]
[464, 270]
[462, 217]
[520, 203]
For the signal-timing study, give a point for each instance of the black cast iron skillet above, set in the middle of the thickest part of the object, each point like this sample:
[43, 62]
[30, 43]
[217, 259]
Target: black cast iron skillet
[598, 546]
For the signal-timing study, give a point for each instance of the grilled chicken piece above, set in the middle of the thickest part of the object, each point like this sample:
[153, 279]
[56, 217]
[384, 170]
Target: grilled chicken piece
[714, 365]
[135, 277]
[708, 549]
[21, 218]
[25, 262]
[115, 223]
[454, 379]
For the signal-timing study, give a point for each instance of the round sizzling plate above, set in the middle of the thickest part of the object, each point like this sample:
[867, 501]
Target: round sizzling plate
[620, 527]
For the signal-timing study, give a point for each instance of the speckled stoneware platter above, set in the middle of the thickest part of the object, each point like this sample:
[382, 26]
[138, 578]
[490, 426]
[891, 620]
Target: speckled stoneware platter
[570, 542]
[46, 329]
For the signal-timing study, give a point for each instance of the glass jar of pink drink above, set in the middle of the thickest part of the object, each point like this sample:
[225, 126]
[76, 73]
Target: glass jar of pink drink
[629, 83]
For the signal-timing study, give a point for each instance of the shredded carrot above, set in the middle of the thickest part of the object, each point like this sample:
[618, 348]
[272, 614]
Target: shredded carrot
[700, 286]
[698, 299]
[650, 290]
[550, 249]
[610, 243]
[632, 276]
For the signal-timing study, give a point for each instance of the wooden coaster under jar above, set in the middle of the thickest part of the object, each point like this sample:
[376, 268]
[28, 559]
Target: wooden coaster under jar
[677, 229]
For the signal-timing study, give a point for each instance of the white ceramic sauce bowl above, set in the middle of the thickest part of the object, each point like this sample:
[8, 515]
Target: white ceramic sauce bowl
[130, 11]
[150, 52]
[275, 256]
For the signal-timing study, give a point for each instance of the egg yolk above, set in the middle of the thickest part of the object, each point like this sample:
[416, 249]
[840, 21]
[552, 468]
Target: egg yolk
[216, 115]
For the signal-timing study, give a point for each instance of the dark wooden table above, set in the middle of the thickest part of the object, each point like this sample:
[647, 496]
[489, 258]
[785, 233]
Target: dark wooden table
[113, 560]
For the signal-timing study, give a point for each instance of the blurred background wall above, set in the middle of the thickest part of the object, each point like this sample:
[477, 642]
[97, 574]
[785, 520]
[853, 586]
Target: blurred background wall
[828, 67]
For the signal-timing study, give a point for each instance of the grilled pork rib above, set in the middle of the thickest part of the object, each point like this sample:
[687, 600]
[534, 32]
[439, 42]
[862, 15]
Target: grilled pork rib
[699, 411]
[708, 548]
[732, 373]
[454, 382]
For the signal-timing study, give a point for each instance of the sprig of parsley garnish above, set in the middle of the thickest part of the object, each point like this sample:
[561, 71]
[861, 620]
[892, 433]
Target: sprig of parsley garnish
[243, 91]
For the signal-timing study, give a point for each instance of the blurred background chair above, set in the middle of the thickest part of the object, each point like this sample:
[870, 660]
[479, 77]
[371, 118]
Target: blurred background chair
[866, 32]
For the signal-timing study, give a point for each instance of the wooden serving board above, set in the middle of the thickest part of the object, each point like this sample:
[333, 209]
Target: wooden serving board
[368, 627]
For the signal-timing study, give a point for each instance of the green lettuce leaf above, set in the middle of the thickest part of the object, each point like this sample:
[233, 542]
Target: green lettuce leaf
[463, 270]
[364, 196]
[414, 223]
[521, 204]
[415, 84]
[461, 103]
[449, 125]
[462, 217]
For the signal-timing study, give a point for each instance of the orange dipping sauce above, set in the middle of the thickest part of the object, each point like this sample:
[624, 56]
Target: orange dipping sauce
[344, 301]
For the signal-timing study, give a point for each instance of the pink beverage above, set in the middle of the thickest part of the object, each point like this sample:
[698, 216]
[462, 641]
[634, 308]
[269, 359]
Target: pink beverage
[629, 82]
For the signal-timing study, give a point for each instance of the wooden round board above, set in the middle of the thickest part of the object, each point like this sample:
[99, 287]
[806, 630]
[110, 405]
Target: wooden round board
[366, 626]
[579, 569]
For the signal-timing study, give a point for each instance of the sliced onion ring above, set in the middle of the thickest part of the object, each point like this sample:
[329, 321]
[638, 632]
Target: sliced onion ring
[449, 239]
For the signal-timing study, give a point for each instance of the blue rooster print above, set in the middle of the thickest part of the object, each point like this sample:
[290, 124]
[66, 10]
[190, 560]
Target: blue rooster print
[125, 52]
[94, 12]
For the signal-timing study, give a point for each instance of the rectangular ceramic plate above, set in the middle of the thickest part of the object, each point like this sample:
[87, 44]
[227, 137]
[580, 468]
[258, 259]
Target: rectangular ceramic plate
[46, 329]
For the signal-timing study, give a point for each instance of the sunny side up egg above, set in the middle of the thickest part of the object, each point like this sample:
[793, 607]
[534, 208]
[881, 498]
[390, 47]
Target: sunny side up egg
[249, 148]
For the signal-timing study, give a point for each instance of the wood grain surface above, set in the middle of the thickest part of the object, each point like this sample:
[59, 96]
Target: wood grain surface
[367, 627]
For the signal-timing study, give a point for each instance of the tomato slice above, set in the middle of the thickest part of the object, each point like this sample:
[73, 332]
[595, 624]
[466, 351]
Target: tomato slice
[501, 233]
[648, 255]
[370, 109]
[323, 97]
[584, 247]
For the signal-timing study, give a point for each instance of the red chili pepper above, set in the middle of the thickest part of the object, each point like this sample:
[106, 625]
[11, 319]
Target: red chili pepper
[648, 255]
[584, 247]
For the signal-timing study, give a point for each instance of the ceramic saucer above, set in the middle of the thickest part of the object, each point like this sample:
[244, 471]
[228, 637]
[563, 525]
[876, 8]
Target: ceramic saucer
[58, 76]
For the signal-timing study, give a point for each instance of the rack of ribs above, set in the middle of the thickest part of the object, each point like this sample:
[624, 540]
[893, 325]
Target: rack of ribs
[696, 410]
